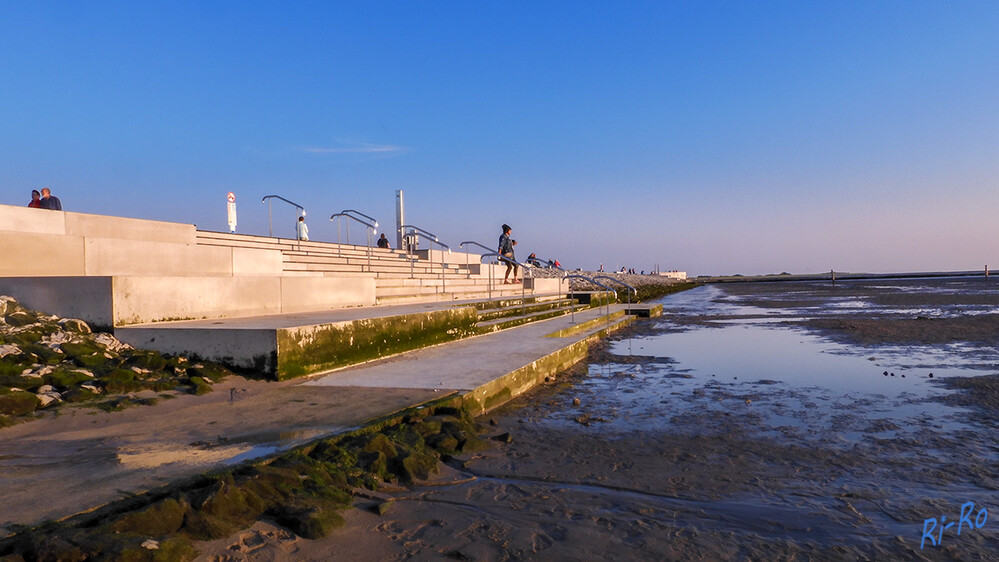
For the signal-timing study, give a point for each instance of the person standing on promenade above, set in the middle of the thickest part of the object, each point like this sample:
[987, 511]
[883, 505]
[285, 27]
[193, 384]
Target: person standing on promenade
[36, 201]
[302, 230]
[383, 242]
[50, 201]
[506, 250]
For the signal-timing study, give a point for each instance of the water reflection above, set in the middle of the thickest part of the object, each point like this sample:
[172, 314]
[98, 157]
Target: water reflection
[751, 361]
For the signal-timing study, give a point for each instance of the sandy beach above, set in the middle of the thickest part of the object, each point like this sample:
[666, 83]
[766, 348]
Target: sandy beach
[638, 456]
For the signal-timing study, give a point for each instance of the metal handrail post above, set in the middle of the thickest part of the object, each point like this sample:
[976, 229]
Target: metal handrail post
[270, 225]
[630, 288]
[591, 280]
[524, 267]
[416, 232]
[489, 278]
[369, 226]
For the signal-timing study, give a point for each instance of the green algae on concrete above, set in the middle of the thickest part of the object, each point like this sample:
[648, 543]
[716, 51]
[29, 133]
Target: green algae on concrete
[303, 490]
[312, 349]
[588, 325]
[511, 385]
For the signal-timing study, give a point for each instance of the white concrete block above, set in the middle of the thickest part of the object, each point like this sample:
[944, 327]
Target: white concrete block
[103, 226]
[254, 261]
[28, 220]
[28, 253]
[301, 294]
[106, 256]
[142, 299]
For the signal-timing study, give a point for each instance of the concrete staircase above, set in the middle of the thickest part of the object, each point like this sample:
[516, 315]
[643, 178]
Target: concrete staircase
[399, 277]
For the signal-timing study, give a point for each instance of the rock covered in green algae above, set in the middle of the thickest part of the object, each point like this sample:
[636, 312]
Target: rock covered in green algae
[46, 361]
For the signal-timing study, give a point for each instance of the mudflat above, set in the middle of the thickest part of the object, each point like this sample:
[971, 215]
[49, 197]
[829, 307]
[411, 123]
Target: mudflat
[824, 437]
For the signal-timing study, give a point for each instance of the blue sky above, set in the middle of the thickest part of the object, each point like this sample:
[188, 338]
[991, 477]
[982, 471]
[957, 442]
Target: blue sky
[710, 137]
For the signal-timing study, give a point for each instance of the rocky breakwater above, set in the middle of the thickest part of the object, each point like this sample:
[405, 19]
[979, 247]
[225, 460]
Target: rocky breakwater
[649, 287]
[47, 361]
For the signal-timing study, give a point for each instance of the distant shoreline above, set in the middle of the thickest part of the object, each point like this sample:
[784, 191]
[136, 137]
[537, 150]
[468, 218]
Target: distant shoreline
[839, 276]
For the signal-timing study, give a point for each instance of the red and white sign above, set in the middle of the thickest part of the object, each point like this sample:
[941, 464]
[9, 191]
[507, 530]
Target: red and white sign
[232, 211]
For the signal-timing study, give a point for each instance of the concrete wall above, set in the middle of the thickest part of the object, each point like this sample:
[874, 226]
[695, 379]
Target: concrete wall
[145, 299]
[546, 285]
[86, 298]
[107, 256]
[107, 302]
[35, 254]
[301, 294]
[38, 242]
[247, 349]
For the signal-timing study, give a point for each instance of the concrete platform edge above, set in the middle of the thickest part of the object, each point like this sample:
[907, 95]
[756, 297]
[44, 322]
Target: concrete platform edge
[502, 389]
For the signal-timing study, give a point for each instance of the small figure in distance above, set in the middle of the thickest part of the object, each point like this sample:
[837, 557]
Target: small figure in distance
[302, 230]
[36, 199]
[533, 260]
[506, 245]
[383, 242]
[50, 201]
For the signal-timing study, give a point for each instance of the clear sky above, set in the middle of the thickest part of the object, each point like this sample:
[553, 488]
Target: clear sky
[711, 137]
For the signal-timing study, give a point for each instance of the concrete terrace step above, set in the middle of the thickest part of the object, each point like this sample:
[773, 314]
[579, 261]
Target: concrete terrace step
[505, 322]
[443, 297]
[520, 309]
[291, 246]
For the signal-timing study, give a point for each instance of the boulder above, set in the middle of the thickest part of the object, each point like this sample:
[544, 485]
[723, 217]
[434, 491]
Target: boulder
[9, 349]
[46, 399]
[22, 318]
[75, 325]
[18, 403]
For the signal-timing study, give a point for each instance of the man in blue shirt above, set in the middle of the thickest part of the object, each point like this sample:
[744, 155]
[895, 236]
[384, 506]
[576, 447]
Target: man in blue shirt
[50, 201]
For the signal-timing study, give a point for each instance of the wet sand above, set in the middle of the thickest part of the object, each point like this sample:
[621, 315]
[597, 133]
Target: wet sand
[586, 469]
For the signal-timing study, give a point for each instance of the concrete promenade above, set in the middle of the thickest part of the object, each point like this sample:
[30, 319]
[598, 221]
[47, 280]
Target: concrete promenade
[82, 458]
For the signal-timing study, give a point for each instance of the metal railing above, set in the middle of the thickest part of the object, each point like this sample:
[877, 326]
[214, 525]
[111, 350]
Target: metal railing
[266, 199]
[618, 281]
[371, 227]
[413, 230]
[501, 258]
[468, 268]
[595, 282]
[432, 238]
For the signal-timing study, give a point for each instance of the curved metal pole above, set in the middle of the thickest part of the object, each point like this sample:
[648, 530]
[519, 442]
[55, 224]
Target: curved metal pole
[370, 218]
[486, 248]
[428, 235]
[420, 232]
[631, 289]
[527, 268]
[270, 226]
[591, 280]
[370, 227]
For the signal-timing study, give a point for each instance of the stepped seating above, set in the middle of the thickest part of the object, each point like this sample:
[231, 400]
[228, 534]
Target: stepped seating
[508, 315]
[399, 277]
